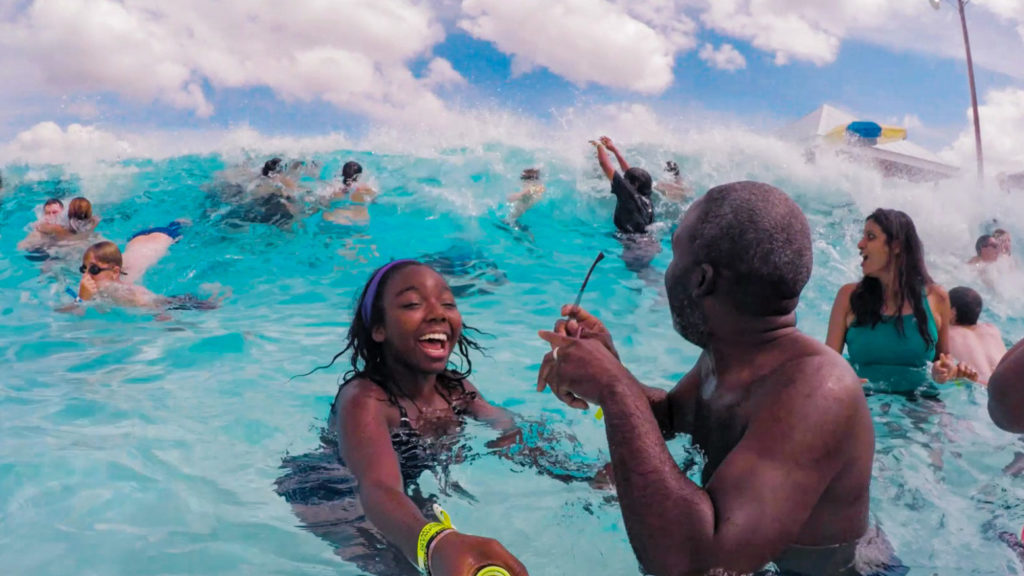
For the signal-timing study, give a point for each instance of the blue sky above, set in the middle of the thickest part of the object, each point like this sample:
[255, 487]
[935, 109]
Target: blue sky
[363, 63]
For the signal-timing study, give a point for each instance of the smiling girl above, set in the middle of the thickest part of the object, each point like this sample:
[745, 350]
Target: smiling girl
[401, 393]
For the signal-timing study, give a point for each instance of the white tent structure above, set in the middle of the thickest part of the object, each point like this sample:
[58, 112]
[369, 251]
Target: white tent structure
[900, 159]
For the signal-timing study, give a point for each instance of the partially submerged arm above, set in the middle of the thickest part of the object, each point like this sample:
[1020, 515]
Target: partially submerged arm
[364, 441]
[944, 366]
[943, 313]
[482, 410]
[837, 324]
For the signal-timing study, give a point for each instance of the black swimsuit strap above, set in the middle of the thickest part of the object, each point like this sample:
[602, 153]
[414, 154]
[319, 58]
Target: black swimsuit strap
[403, 417]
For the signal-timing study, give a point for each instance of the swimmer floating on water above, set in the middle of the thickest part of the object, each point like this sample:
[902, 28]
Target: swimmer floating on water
[50, 219]
[673, 187]
[530, 193]
[112, 276]
[360, 194]
[51, 229]
[400, 391]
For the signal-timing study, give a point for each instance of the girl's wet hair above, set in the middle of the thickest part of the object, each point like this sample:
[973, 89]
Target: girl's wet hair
[367, 355]
[80, 209]
[350, 172]
[911, 278]
[272, 166]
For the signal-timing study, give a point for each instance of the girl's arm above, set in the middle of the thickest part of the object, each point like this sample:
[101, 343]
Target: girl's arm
[942, 311]
[837, 321]
[482, 410]
[945, 367]
[364, 441]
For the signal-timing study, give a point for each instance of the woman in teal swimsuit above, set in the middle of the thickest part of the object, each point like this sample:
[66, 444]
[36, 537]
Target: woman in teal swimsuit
[896, 316]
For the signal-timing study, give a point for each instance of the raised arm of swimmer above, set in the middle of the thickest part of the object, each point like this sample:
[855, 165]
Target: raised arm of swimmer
[603, 160]
[607, 142]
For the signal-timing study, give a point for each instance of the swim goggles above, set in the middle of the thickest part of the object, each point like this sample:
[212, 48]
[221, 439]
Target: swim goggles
[93, 269]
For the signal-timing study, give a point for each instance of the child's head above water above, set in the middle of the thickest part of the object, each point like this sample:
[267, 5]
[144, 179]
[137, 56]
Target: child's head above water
[102, 261]
[406, 318]
[350, 172]
[80, 216]
[407, 314]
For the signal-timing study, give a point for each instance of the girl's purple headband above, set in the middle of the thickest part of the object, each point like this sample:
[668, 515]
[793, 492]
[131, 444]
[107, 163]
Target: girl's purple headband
[371, 292]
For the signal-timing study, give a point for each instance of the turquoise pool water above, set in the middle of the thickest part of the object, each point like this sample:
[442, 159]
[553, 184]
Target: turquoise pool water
[136, 445]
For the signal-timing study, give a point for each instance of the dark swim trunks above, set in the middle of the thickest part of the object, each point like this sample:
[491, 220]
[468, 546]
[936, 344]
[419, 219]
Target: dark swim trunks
[190, 302]
[633, 211]
[173, 230]
[37, 255]
[871, 555]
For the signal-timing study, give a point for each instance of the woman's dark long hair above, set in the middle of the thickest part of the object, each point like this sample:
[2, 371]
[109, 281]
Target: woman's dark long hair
[911, 278]
[367, 357]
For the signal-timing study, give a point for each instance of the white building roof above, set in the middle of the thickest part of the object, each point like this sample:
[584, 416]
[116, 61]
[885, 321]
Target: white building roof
[811, 129]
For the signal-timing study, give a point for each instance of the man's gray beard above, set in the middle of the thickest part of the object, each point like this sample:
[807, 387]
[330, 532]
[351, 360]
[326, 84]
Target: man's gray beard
[691, 323]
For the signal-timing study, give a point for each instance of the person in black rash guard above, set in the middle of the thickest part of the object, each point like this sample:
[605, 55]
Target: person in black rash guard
[632, 189]
[633, 208]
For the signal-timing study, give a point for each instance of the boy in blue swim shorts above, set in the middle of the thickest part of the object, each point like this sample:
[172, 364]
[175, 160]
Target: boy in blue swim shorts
[146, 247]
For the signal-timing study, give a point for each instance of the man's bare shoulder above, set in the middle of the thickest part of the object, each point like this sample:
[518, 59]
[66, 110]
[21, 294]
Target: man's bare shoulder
[813, 366]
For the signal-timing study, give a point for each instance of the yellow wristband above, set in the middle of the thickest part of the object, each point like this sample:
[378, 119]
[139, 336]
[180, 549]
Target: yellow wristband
[492, 571]
[428, 533]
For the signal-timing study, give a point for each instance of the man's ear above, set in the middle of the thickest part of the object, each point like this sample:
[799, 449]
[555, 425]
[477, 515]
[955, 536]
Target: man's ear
[379, 333]
[705, 281]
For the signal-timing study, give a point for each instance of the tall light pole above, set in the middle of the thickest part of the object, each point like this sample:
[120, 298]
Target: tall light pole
[970, 76]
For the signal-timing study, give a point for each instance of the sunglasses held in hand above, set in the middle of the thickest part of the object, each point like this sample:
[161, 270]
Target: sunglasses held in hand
[579, 297]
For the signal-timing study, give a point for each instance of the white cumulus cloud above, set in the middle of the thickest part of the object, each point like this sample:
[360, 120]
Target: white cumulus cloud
[584, 41]
[1002, 133]
[441, 73]
[813, 31]
[726, 57]
[353, 53]
[48, 143]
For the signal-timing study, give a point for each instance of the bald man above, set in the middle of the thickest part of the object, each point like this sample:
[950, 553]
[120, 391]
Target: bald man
[781, 418]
